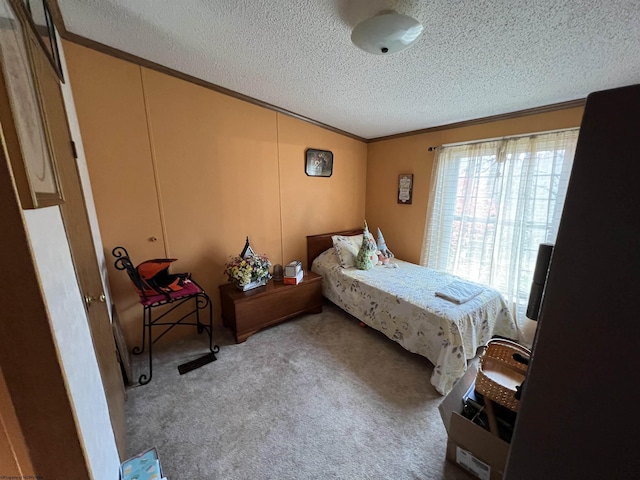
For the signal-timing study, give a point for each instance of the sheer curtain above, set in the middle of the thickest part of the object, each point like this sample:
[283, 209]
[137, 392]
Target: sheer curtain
[492, 204]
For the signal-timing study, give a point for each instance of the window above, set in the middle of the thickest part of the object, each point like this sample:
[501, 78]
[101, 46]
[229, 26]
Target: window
[492, 204]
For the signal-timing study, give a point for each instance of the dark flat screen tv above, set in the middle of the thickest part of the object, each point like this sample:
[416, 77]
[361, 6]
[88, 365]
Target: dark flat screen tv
[539, 279]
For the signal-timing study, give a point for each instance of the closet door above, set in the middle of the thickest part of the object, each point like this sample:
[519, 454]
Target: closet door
[109, 99]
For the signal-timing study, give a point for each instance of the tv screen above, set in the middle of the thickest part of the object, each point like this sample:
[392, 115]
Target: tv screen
[539, 279]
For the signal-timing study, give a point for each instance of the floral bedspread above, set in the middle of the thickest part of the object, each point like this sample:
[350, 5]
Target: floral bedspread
[401, 303]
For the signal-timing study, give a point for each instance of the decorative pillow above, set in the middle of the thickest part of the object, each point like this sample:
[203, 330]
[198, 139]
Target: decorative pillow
[347, 249]
[382, 246]
[367, 256]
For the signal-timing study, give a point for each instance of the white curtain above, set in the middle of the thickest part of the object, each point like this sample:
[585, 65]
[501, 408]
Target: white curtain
[492, 204]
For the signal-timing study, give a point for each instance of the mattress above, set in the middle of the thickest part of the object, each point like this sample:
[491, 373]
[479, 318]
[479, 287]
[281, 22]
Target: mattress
[401, 302]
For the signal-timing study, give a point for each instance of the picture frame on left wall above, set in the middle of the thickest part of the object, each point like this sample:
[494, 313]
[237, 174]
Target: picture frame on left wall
[24, 131]
[40, 15]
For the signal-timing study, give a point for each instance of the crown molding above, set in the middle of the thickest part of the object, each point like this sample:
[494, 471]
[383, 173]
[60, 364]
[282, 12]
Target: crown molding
[494, 118]
[114, 52]
[56, 13]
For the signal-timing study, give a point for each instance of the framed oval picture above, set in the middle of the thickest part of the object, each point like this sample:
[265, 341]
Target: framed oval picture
[26, 133]
[318, 163]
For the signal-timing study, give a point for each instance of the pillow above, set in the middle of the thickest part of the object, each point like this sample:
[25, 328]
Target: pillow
[347, 249]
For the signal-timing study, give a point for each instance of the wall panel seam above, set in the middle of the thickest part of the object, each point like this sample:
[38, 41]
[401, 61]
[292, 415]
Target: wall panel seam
[154, 164]
[5, 433]
[280, 187]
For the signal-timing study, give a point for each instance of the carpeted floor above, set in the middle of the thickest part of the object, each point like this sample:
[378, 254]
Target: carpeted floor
[317, 397]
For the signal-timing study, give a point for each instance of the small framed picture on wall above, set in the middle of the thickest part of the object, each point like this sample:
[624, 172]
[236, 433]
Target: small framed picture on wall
[405, 188]
[318, 163]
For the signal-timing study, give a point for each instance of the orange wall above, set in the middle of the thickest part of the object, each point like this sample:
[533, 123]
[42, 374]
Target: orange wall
[403, 225]
[217, 166]
[199, 171]
[110, 105]
[312, 205]
[14, 455]
[183, 171]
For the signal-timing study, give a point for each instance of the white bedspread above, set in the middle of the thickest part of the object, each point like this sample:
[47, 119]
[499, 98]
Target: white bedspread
[401, 303]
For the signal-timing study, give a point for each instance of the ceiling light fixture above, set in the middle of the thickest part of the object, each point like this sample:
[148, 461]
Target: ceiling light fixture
[386, 33]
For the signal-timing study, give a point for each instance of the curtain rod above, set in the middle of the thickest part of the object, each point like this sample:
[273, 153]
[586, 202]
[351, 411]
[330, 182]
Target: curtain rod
[495, 139]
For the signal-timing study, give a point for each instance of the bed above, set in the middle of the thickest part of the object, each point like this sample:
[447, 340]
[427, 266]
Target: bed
[401, 303]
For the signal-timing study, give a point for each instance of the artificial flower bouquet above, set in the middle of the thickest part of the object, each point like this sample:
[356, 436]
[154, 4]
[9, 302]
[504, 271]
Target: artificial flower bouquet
[243, 271]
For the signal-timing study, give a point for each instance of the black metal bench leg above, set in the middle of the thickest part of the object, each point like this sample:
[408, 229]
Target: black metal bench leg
[143, 380]
[212, 348]
[198, 307]
[210, 327]
[138, 350]
[206, 302]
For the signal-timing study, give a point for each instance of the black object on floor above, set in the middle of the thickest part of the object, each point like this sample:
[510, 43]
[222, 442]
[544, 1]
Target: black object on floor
[197, 363]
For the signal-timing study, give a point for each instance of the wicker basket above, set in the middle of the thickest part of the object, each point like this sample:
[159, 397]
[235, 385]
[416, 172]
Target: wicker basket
[499, 373]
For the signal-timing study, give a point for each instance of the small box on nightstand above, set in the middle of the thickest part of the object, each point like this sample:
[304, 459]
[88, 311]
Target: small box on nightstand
[293, 279]
[293, 268]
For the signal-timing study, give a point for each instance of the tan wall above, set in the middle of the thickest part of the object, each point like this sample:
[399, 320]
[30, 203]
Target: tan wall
[312, 205]
[14, 455]
[217, 168]
[403, 225]
[199, 171]
[110, 105]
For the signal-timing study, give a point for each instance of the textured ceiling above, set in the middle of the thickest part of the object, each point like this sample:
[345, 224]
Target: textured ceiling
[477, 58]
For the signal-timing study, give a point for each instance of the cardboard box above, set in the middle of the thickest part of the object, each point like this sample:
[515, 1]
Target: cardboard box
[293, 280]
[292, 268]
[470, 446]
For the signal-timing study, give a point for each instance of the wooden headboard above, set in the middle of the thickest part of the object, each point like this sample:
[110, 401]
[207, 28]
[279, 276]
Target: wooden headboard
[316, 244]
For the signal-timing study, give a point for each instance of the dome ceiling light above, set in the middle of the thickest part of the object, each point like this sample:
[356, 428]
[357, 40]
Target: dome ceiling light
[386, 33]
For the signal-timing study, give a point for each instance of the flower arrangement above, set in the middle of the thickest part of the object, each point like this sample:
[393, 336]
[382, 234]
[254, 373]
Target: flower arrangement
[246, 270]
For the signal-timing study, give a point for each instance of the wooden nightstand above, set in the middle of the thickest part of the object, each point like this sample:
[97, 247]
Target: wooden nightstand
[247, 312]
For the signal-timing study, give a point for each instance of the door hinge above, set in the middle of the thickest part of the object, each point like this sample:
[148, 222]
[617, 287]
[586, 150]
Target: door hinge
[73, 149]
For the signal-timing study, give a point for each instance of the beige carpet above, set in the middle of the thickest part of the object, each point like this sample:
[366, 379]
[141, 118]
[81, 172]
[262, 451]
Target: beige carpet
[317, 397]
